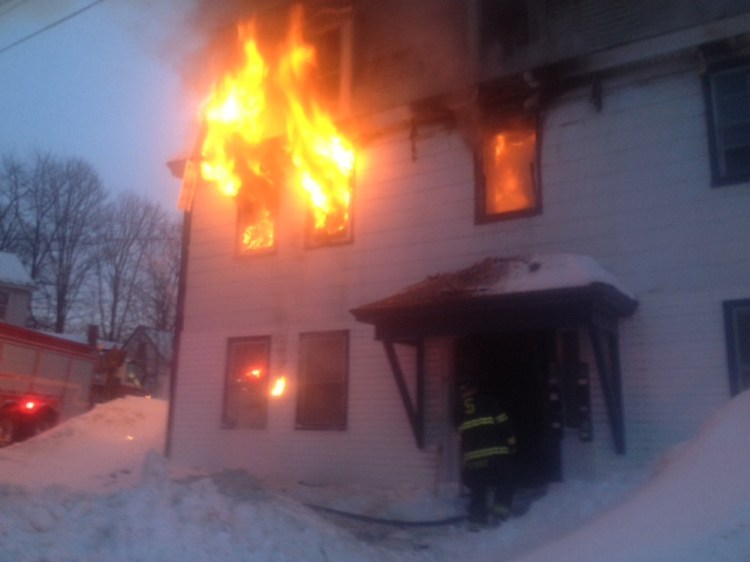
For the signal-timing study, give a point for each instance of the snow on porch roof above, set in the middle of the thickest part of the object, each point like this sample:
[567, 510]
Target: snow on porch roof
[553, 287]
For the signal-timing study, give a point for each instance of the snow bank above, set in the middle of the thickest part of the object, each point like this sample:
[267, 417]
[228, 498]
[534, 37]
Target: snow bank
[162, 519]
[695, 508]
[102, 449]
[95, 489]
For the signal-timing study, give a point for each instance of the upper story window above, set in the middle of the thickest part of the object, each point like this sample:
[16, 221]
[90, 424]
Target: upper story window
[330, 33]
[507, 172]
[323, 380]
[737, 333]
[504, 28]
[727, 88]
[257, 209]
[270, 131]
[246, 387]
[328, 180]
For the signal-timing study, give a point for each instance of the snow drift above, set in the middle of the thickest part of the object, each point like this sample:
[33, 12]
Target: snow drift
[96, 489]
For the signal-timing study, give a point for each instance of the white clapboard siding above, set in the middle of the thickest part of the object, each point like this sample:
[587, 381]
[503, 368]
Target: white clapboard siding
[628, 185]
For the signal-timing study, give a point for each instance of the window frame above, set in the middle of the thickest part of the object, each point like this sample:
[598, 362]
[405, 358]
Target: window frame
[718, 178]
[731, 335]
[340, 23]
[312, 242]
[243, 204]
[232, 343]
[302, 383]
[4, 303]
[481, 214]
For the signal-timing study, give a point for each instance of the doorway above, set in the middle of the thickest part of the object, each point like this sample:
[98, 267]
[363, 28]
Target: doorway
[515, 368]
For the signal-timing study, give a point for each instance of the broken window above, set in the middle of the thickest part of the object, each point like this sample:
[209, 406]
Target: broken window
[323, 376]
[246, 386]
[737, 333]
[727, 88]
[507, 182]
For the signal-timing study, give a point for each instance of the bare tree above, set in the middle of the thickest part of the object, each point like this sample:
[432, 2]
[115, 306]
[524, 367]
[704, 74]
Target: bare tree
[159, 291]
[59, 213]
[130, 246]
[34, 210]
[14, 180]
[114, 264]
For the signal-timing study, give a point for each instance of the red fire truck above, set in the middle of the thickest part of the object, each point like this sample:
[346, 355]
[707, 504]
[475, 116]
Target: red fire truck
[43, 379]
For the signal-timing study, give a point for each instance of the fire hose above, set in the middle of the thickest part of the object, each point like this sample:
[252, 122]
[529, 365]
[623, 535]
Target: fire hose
[391, 522]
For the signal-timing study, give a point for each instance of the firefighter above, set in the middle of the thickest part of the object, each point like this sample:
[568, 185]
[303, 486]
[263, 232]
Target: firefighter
[487, 445]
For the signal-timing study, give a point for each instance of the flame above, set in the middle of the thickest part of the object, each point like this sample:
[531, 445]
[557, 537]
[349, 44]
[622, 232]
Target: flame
[510, 186]
[233, 115]
[323, 159]
[266, 96]
[279, 385]
[254, 373]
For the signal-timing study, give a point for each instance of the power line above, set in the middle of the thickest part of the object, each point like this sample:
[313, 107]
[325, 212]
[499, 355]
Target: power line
[50, 26]
[17, 4]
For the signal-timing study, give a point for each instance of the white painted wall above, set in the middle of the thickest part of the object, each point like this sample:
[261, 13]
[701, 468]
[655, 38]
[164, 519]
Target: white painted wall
[629, 186]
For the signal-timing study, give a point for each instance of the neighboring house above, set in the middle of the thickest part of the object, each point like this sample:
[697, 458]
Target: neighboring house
[16, 287]
[149, 359]
[556, 191]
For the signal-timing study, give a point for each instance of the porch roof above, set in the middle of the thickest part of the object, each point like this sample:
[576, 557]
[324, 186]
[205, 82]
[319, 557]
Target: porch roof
[555, 291]
[496, 294]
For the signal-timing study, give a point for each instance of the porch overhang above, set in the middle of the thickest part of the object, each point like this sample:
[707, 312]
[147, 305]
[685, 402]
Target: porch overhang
[460, 315]
[509, 294]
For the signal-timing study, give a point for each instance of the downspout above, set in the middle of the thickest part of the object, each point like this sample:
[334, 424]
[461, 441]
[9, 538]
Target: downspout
[178, 325]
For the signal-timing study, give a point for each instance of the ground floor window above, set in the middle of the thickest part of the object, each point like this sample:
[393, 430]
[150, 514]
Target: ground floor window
[4, 299]
[323, 377]
[246, 384]
[737, 332]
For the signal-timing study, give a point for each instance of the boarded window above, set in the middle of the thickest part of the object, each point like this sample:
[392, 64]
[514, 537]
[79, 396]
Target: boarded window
[323, 376]
[728, 111]
[507, 183]
[737, 331]
[246, 385]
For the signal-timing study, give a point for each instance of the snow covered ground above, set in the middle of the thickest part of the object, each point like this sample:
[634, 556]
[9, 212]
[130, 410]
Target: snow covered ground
[95, 489]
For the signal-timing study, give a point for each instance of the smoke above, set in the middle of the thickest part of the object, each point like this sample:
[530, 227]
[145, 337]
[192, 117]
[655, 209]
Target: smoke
[431, 37]
[434, 32]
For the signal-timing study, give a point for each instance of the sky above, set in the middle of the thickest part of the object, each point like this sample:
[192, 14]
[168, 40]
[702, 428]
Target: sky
[96, 488]
[105, 85]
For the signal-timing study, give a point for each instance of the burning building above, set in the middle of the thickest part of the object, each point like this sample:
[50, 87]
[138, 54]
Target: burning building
[387, 194]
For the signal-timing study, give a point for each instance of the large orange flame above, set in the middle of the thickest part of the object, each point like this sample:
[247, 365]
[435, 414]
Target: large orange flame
[240, 116]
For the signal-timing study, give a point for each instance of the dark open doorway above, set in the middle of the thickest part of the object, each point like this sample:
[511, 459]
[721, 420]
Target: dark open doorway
[514, 367]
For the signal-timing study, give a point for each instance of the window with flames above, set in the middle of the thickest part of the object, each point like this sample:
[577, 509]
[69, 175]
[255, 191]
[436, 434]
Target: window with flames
[247, 387]
[507, 172]
[270, 134]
